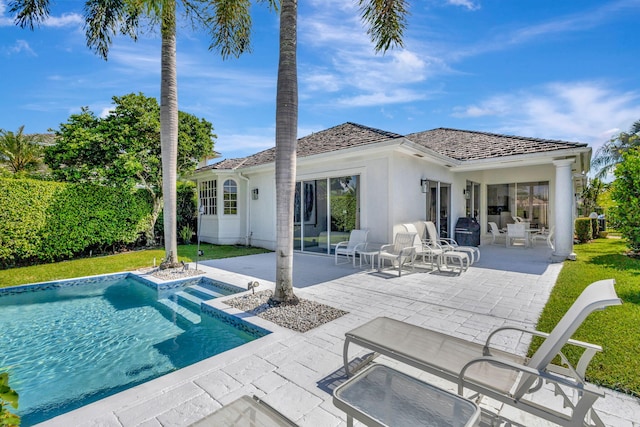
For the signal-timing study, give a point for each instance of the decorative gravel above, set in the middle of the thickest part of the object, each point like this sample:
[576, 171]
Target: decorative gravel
[301, 317]
[171, 273]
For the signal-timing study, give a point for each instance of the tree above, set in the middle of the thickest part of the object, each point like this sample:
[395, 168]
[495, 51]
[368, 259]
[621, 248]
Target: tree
[611, 153]
[20, 152]
[590, 194]
[625, 215]
[229, 23]
[386, 20]
[124, 148]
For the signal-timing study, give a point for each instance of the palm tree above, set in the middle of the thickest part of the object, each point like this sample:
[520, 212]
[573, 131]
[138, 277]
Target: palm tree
[610, 154]
[18, 151]
[229, 24]
[386, 21]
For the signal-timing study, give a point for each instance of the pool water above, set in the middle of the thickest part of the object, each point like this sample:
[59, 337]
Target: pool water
[70, 346]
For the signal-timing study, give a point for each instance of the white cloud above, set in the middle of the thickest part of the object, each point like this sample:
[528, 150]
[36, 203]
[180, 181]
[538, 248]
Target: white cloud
[241, 145]
[398, 96]
[5, 21]
[20, 46]
[588, 112]
[464, 3]
[65, 20]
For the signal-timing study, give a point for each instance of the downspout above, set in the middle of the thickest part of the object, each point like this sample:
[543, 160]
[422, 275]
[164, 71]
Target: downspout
[247, 238]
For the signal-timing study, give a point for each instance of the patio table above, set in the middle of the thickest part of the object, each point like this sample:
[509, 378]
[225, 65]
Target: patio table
[381, 396]
[368, 254]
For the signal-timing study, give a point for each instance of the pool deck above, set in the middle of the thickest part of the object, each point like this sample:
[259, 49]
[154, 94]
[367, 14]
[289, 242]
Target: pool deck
[296, 372]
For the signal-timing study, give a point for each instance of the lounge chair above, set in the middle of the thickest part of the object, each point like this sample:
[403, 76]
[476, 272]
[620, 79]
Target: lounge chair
[500, 375]
[450, 244]
[423, 249]
[402, 251]
[243, 412]
[357, 241]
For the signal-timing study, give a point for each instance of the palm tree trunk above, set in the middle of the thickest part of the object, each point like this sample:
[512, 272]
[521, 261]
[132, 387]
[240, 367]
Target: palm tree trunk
[286, 140]
[169, 129]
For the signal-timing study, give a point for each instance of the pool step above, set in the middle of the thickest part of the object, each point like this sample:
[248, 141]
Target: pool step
[206, 292]
[194, 299]
[181, 311]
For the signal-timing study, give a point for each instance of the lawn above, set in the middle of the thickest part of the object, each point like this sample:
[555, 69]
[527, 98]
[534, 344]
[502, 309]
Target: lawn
[616, 329]
[115, 263]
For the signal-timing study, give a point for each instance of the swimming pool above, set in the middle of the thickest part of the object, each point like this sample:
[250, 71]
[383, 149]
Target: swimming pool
[66, 344]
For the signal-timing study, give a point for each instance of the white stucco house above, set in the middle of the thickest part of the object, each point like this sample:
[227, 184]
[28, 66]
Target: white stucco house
[352, 176]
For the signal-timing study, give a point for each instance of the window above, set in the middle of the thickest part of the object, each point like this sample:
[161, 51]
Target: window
[527, 200]
[230, 190]
[208, 197]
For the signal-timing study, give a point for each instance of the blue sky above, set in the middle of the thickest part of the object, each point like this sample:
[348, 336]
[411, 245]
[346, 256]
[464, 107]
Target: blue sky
[566, 70]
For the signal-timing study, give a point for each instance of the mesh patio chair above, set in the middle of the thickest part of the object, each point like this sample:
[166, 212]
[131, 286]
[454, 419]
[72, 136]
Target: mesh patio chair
[402, 251]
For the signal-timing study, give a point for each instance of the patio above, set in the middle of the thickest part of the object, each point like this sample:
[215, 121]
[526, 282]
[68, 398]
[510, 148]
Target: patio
[296, 373]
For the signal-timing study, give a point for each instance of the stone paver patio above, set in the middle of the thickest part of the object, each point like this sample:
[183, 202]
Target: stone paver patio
[296, 372]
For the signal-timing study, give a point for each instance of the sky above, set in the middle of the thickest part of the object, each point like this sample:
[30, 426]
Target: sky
[566, 70]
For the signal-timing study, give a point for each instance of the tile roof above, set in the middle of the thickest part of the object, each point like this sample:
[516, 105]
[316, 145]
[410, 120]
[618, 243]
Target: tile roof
[472, 145]
[456, 144]
[346, 135]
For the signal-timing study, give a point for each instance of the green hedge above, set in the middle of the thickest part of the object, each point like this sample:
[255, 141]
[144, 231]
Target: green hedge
[583, 229]
[47, 221]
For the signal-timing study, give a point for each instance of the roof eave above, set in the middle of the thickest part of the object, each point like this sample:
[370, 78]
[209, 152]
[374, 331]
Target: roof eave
[530, 159]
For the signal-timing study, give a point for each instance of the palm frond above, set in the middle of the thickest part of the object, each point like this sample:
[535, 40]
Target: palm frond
[386, 21]
[29, 13]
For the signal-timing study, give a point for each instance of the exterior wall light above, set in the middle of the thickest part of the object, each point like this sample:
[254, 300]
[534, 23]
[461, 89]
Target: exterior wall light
[424, 184]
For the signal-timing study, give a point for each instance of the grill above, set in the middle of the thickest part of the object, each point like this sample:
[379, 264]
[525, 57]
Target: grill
[467, 232]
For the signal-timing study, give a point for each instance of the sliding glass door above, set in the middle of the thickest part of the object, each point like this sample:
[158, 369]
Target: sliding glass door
[325, 212]
[439, 206]
[526, 200]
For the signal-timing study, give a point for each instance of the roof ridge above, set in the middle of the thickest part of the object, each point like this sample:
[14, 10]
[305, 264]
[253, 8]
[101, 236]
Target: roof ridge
[376, 130]
[504, 135]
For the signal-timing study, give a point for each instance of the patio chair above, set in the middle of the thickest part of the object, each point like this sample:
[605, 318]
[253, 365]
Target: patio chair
[545, 235]
[402, 251]
[516, 232]
[422, 248]
[357, 241]
[496, 233]
[507, 377]
[448, 244]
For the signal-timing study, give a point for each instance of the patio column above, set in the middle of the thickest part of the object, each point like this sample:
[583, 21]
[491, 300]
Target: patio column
[563, 211]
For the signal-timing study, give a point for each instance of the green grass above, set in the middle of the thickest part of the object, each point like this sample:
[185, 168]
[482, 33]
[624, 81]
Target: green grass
[114, 263]
[617, 328]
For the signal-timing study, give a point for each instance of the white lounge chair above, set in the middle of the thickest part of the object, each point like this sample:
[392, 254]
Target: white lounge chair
[448, 244]
[402, 251]
[246, 411]
[517, 233]
[423, 249]
[500, 375]
[357, 241]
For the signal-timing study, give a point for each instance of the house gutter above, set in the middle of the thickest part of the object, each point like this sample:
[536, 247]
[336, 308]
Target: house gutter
[545, 157]
[247, 238]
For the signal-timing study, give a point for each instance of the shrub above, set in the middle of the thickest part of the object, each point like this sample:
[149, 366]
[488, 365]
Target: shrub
[626, 194]
[583, 229]
[8, 397]
[595, 228]
[47, 221]
[186, 233]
